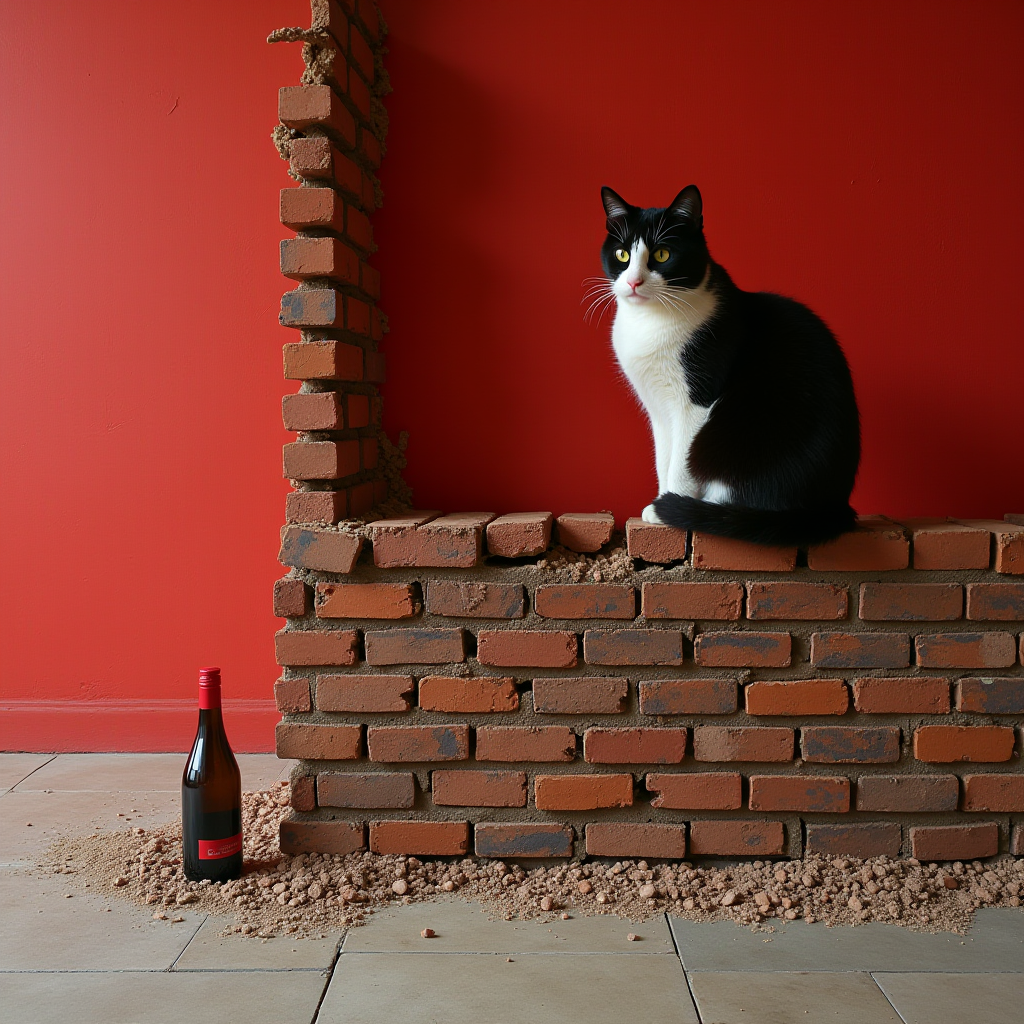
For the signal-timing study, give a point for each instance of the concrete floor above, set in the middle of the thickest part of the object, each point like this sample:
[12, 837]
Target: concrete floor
[88, 959]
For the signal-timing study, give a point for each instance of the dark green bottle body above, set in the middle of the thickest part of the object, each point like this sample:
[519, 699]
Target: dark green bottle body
[211, 795]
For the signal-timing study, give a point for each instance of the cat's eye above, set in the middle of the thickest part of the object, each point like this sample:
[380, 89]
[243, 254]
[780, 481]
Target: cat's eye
[622, 256]
[661, 255]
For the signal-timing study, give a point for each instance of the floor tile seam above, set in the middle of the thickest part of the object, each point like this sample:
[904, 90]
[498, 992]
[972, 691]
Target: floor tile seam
[502, 952]
[163, 970]
[885, 974]
[885, 996]
[682, 967]
[328, 976]
[181, 952]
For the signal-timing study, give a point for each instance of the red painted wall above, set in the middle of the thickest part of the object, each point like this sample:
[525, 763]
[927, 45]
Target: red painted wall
[865, 158]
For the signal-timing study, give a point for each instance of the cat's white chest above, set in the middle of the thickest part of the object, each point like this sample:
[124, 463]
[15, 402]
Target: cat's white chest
[648, 344]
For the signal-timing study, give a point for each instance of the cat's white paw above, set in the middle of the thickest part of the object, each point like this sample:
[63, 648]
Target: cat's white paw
[649, 515]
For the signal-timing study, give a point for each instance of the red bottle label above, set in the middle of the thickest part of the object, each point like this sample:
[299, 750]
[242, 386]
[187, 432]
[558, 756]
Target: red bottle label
[214, 849]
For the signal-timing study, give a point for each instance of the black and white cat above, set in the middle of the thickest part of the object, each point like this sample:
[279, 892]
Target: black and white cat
[756, 433]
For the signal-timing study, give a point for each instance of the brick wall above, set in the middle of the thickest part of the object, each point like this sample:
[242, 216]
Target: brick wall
[455, 690]
[456, 683]
[331, 132]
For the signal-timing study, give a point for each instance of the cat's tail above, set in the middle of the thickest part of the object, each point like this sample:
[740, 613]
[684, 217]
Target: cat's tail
[759, 526]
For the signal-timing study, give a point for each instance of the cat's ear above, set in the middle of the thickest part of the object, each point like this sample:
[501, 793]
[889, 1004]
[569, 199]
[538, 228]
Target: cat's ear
[688, 206]
[614, 204]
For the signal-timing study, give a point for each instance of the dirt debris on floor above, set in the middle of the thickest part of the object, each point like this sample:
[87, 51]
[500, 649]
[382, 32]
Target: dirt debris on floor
[314, 894]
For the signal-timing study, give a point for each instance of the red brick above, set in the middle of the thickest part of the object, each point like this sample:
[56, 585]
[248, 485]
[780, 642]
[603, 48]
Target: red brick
[519, 534]
[312, 308]
[359, 94]
[697, 791]
[318, 411]
[1014, 518]
[368, 448]
[362, 694]
[907, 793]
[322, 837]
[319, 742]
[311, 106]
[994, 793]
[710, 552]
[398, 743]
[443, 693]
[585, 601]
[875, 543]
[955, 842]
[291, 598]
[478, 789]
[584, 531]
[357, 316]
[303, 257]
[537, 743]
[312, 158]
[736, 838]
[860, 650]
[593, 696]
[781, 600]
[922, 695]
[582, 792]
[326, 550]
[966, 650]
[522, 840]
[634, 746]
[653, 542]
[382, 789]
[1007, 543]
[415, 647]
[376, 373]
[632, 839]
[357, 411]
[840, 744]
[476, 600]
[357, 226]
[911, 602]
[633, 646]
[742, 743]
[742, 649]
[303, 208]
[452, 541]
[799, 793]
[422, 838]
[361, 498]
[320, 460]
[302, 792]
[366, 601]
[316, 646]
[362, 55]
[943, 744]
[940, 544]
[528, 647]
[995, 602]
[873, 839]
[315, 507]
[292, 695]
[797, 697]
[322, 360]
[692, 600]
[991, 696]
[688, 697]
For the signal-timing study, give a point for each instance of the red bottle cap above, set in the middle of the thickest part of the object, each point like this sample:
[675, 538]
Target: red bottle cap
[209, 688]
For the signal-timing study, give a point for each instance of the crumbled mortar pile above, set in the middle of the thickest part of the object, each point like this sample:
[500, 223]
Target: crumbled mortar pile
[312, 894]
[611, 563]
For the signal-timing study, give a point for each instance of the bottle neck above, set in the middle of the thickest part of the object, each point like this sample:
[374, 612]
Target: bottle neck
[209, 699]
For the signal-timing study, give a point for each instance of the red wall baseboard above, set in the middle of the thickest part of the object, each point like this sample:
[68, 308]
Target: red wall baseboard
[143, 726]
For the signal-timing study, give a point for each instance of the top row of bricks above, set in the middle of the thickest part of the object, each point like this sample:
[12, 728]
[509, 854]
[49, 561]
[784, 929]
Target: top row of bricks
[429, 539]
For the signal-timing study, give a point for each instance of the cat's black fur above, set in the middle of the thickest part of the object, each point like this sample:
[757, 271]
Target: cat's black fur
[783, 431]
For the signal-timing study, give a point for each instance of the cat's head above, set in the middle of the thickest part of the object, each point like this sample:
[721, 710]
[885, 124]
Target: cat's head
[649, 253]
